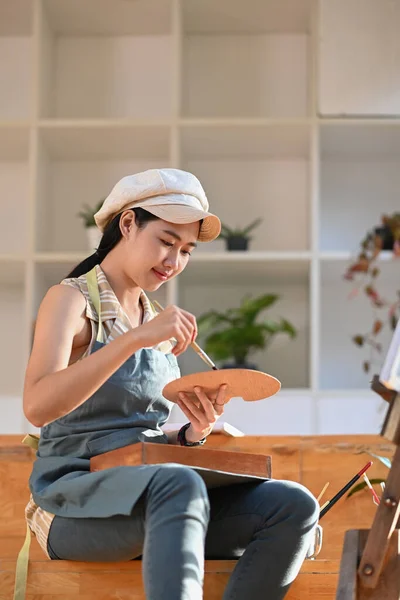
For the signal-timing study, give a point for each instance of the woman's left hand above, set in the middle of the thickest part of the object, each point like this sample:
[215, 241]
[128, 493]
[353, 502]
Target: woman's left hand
[203, 413]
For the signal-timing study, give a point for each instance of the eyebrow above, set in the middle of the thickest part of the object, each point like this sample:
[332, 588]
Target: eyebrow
[178, 237]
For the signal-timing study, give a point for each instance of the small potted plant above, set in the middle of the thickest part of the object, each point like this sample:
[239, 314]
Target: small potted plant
[235, 333]
[364, 272]
[93, 232]
[237, 239]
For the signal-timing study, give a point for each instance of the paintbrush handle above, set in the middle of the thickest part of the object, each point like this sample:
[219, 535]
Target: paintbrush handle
[195, 346]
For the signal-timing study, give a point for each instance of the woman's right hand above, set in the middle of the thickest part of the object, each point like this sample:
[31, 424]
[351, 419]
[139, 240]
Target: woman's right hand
[173, 322]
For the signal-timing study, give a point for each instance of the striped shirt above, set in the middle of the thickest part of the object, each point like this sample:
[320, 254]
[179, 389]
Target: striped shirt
[115, 322]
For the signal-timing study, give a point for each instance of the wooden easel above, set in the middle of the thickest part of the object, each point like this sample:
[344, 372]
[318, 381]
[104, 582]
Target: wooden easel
[370, 564]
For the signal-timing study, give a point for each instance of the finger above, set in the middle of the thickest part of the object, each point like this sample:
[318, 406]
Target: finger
[221, 395]
[196, 412]
[191, 326]
[206, 404]
[191, 318]
[182, 336]
[188, 412]
[219, 404]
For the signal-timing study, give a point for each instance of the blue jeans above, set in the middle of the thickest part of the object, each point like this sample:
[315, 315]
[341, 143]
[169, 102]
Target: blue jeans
[177, 522]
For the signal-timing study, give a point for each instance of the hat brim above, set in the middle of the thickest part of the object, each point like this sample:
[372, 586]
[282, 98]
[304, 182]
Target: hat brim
[178, 213]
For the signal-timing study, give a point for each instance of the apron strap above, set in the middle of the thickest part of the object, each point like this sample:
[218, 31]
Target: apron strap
[21, 571]
[93, 289]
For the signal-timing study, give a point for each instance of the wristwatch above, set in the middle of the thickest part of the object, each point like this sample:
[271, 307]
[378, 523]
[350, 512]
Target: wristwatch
[182, 437]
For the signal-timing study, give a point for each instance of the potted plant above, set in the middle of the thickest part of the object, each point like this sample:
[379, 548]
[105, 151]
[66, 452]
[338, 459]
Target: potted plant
[364, 272]
[235, 333]
[237, 239]
[93, 232]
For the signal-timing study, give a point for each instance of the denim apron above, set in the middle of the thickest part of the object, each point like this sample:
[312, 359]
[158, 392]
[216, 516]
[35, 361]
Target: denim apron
[127, 408]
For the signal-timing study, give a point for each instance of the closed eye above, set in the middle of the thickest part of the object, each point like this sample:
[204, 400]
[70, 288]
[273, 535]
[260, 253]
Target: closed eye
[169, 244]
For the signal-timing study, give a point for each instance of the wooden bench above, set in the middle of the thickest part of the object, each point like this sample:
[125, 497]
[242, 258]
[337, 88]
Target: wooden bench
[308, 460]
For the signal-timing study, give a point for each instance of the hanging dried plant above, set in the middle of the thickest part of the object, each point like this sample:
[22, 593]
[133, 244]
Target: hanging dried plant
[364, 272]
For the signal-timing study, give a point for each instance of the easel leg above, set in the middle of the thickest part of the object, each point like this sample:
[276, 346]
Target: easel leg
[349, 587]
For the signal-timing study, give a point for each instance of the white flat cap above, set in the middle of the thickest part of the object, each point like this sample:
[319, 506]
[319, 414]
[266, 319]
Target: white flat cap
[171, 194]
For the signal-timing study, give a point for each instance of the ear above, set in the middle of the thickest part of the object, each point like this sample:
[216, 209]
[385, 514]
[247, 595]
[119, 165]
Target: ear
[127, 223]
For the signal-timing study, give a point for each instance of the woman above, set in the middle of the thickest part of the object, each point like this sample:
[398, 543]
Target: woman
[100, 359]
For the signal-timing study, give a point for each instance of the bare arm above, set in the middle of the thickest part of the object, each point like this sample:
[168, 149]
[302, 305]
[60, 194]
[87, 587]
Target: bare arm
[52, 388]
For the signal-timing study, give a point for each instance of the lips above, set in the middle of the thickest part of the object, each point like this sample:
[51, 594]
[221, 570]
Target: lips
[161, 275]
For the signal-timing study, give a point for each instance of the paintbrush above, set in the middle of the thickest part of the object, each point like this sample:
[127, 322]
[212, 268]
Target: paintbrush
[195, 346]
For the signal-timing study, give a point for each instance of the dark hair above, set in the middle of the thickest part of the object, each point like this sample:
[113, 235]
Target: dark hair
[111, 236]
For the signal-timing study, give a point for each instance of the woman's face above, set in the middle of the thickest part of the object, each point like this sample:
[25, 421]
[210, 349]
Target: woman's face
[157, 252]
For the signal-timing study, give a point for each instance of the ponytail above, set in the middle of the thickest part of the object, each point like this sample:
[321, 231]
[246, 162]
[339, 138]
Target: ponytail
[111, 237]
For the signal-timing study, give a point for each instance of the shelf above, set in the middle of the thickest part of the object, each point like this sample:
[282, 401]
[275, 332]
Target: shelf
[15, 74]
[94, 66]
[360, 178]
[366, 140]
[14, 142]
[16, 17]
[79, 165]
[247, 267]
[252, 16]
[342, 317]
[12, 325]
[12, 272]
[107, 141]
[14, 190]
[364, 414]
[243, 59]
[109, 17]
[276, 65]
[249, 139]
[250, 172]
[219, 285]
[358, 55]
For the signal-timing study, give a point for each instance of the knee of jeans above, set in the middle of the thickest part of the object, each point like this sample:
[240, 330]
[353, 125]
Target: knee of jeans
[184, 480]
[303, 506]
[297, 501]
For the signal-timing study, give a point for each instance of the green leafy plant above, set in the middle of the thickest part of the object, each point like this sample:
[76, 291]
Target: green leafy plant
[360, 486]
[87, 214]
[364, 273]
[228, 232]
[235, 333]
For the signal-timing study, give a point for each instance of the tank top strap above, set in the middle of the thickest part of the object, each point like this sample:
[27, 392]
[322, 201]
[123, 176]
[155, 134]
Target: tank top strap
[94, 294]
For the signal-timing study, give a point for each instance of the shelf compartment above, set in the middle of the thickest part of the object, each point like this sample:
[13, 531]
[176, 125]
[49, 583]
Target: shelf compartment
[217, 285]
[359, 181]
[253, 16]
[78, 165]
[342, 317]
[368, 83]
[13, 327]
[14, 189]
[364, 414]
[238, 166]
[92, 59]
[232, 49]
[15, 59]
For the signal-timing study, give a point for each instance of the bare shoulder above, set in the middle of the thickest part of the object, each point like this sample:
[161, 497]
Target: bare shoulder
[60, 322]
[60, 297]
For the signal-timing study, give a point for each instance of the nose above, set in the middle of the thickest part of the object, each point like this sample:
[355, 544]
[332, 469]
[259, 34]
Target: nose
[172, 261]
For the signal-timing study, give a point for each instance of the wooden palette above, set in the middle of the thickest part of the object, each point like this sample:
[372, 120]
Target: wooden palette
[243, 383]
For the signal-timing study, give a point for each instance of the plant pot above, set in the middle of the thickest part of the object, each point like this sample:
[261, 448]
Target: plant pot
[235, 365]
[385, 233]
[237, 242]
[94, 236]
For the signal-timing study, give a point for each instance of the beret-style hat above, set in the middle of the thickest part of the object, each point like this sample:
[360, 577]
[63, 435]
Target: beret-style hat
[171, 194]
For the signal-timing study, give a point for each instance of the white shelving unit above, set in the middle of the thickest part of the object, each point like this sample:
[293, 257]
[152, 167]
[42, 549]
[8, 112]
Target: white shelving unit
[260, 100]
